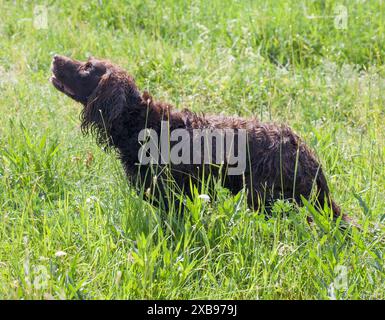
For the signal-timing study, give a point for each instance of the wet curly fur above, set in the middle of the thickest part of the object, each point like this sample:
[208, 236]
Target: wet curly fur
[279, 166]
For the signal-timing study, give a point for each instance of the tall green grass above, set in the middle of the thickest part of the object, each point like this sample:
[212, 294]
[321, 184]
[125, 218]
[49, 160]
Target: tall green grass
[70, 225]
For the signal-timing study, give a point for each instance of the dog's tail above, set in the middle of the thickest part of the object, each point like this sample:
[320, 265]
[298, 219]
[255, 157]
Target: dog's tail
[324, 195]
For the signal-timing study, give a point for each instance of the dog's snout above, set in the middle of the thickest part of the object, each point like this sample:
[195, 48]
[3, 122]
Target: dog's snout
[63, 59]
[59, 66]
[58, 58]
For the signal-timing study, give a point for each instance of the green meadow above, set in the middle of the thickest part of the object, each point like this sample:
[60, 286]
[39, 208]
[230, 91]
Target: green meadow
[71, 227]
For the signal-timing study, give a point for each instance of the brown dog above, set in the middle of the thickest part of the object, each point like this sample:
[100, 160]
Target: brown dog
[278, 165]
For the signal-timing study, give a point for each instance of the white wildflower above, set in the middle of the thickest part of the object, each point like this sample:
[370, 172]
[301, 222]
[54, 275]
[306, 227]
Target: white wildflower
[60, 254]
[204, 197]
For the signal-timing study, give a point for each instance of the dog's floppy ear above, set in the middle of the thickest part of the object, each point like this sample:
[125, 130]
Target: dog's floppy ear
[105, 104]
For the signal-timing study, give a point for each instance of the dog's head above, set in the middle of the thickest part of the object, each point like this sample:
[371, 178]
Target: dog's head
[77, 79]
[103, 88]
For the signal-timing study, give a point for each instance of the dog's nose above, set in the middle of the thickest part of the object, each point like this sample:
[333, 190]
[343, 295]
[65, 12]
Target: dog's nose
[58, 60]
[59, 57]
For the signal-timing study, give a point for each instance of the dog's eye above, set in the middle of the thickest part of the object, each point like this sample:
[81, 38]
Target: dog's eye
[88, 66]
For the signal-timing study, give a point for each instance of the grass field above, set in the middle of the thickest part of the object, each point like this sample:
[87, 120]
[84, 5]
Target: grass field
[71, 227]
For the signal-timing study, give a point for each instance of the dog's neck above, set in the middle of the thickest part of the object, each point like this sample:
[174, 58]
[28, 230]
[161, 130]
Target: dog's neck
[140, 114]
